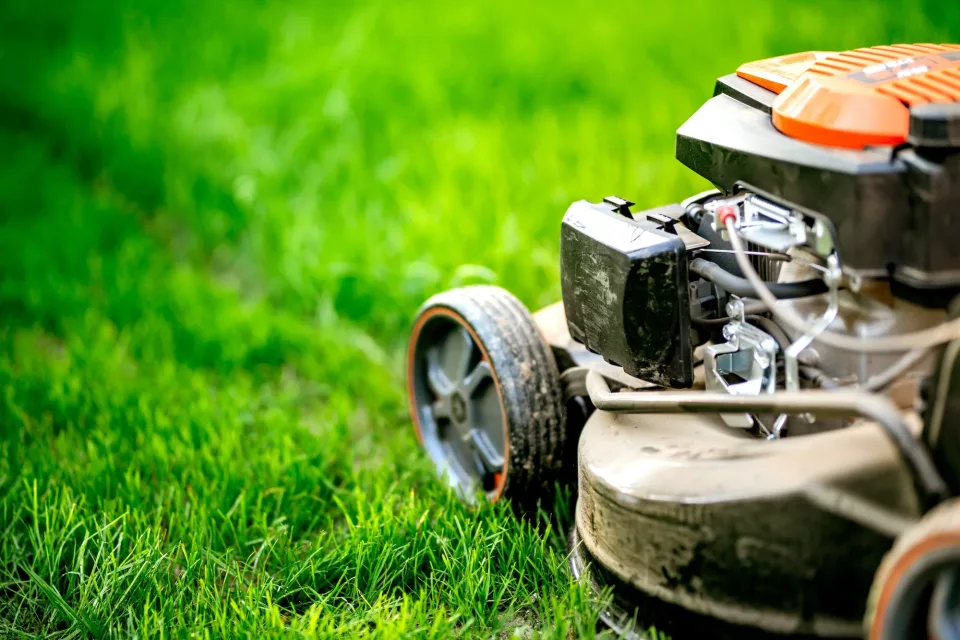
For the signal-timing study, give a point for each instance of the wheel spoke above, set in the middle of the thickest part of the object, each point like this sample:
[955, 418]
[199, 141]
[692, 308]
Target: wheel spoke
[943, 620]
[457, 352]
[477, 376]
[437, 378]
[460, 463]
[440, 410]
[486, 414]
[491, 458]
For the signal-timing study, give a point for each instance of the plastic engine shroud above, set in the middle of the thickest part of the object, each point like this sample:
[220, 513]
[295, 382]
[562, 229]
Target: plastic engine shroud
[867, 139]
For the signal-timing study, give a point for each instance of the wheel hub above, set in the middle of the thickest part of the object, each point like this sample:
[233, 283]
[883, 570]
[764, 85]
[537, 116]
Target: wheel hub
[458, 408]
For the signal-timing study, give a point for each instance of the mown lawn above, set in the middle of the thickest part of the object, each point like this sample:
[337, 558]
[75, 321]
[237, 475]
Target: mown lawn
[216, 222]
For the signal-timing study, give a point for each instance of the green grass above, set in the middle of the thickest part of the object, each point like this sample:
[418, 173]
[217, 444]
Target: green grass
[216, 222]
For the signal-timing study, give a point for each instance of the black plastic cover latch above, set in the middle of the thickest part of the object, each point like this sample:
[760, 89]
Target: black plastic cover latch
[662, 221]
[935, 126]
[620, 205]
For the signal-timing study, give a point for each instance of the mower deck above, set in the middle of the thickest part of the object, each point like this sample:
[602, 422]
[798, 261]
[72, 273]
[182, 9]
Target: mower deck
[783, 536]
[630, 613]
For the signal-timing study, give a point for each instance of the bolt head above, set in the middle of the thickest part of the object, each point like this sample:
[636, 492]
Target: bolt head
[458, 408]
[730, 331]
[834, 274]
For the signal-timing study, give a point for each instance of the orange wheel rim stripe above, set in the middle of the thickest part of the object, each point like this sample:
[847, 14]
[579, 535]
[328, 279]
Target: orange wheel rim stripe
[499, 478]
[938, 541]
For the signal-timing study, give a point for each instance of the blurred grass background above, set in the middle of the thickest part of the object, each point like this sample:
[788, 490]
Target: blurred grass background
[216, 222]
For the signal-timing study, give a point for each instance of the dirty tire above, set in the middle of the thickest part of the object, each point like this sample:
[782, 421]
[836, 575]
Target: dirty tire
[526, 382]
[916, 590]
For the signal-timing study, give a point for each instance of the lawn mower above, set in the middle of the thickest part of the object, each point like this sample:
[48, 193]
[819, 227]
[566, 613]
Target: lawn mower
[756, 389]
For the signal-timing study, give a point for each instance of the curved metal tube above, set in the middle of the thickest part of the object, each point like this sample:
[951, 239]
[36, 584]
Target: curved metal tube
[835, 403]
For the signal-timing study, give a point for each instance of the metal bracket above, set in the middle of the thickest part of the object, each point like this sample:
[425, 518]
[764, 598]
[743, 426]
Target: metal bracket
[744, 365]
[775, 227]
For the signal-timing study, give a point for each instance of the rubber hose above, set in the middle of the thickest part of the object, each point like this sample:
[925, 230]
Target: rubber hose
[741, 286]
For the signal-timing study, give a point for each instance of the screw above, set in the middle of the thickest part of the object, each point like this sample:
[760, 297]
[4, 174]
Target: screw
[735, 308]
[833, 275]
[730, 331]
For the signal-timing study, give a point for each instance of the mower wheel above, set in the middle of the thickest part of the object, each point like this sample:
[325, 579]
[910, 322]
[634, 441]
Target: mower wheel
[485, 395]
[916, 590]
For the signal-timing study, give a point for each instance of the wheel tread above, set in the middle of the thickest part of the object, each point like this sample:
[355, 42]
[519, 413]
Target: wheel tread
[529, 381]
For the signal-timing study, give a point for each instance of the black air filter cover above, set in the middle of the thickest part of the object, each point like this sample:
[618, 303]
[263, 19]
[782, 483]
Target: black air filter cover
[626, 293]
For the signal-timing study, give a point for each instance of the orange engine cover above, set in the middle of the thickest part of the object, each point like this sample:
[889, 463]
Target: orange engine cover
[856, 98]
